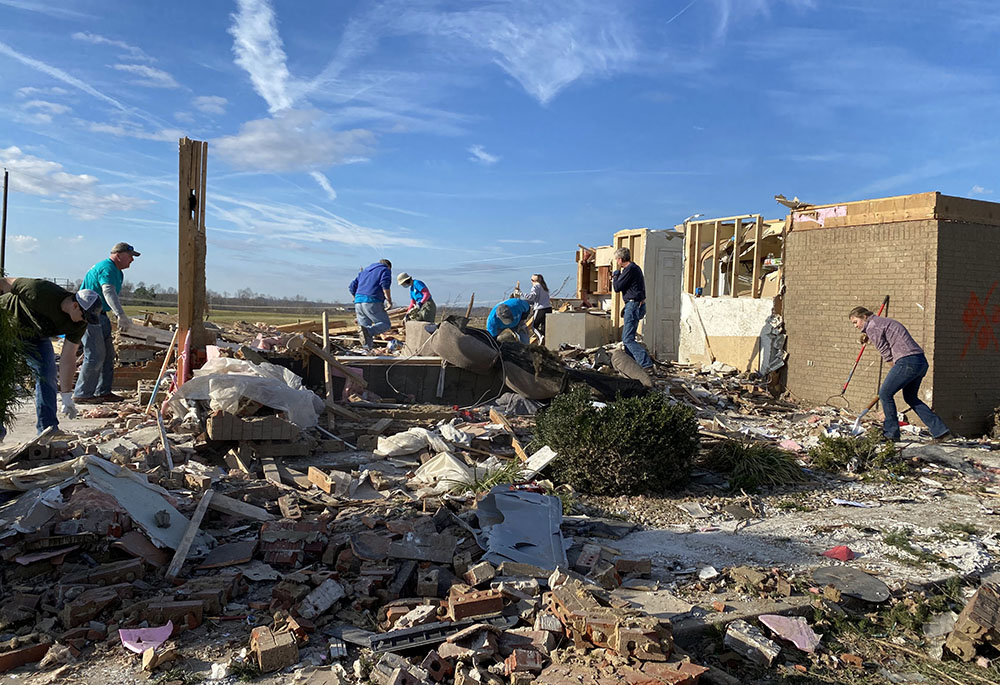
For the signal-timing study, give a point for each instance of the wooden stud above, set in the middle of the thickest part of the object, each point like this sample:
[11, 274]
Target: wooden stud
[468, 311]
[697, 258]
[192, 530]
[757, 230]
[299, 341]
[234, 507]
[327, 372]
[734, 262]
[715, 260]
[497, 417]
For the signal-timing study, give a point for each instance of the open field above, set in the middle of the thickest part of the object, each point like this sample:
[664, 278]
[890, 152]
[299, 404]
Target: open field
[225, 316]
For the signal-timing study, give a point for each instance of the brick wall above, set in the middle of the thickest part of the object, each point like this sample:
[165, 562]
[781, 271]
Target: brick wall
[830, 271]
[966, 364]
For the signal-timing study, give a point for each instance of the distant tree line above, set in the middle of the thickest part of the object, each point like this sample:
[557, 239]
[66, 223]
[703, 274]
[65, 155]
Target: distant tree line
[155, 295]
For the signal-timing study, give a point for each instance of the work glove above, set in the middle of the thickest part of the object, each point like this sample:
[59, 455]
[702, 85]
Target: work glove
[864, 338]
[406, 316]
[124, 323]
[68, 405]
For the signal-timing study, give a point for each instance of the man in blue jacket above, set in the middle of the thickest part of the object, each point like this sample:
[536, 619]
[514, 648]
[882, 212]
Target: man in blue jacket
[628, 281]
[509, 314]
[372, 298]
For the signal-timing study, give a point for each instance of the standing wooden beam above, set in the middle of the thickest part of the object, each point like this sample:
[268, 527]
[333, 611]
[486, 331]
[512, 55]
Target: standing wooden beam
[468, 311]
[327, 373]
[697, 258]
[193, 161]
[715, 260]
[734, 262]
[757, 230]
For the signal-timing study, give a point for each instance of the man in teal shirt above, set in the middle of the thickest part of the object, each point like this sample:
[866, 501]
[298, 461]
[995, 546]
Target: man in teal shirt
[97, 373]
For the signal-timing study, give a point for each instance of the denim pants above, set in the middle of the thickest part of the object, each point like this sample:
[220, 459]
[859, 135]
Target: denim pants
[42, 362]
[372, 317]
[633, 313]
[906, 375]
[97, 372]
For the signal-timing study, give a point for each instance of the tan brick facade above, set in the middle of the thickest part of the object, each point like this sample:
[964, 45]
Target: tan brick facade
[830, 271]
[938, 275]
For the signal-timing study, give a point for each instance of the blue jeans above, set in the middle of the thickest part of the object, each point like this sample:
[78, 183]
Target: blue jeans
[98, 370]
[633, 313]
[906, 375]
[42, 362]
[372, 317]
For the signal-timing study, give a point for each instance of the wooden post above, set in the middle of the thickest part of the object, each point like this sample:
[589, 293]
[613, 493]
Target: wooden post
[468, 312]
[715, 260]
[757, 230]
[193, 160]
[3, 225]
[327, 374]
[697, 258]
[734, 262]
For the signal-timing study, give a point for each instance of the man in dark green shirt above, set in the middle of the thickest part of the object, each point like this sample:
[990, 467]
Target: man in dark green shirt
[42, 310]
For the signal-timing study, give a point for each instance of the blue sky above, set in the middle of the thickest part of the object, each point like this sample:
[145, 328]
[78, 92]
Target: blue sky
[472, 143]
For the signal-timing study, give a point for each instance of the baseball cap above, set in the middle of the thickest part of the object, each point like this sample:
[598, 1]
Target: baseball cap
[403, 278]
[90, 303]
[124, 247]
[505, 315]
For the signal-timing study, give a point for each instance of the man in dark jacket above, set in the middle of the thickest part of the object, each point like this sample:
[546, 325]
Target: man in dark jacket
[372, 298]
[628, 281]
[42, 310]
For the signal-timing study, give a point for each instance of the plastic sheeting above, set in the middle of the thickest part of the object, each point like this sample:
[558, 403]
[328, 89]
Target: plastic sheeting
[772, 345]
[521, 526]
[409, 442]
[222, 382]
[444, 469]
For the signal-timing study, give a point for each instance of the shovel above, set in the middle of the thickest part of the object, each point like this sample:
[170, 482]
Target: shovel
[856, 429]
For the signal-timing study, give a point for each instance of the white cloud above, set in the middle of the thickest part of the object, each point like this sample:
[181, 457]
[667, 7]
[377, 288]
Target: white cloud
[95, 39]
[60, 75]
[151, 77]
[36, 176]
[210, 104]
[544, 46]
[30, 91]
[259, 51]
[299, 224]
[731, 11]
[45, 106]
[522, 242]
[324, 183]
[479, 154]
[409, 212]
[980, 190]
[131, 131]
[294, 140]
[24, 243]
[75, 239]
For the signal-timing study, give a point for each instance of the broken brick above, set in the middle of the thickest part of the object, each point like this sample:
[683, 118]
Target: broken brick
[185, 615]
[437, 668]
[480, 573]
[25, 655]
[524, 660]
[463, 605]
[273, 651]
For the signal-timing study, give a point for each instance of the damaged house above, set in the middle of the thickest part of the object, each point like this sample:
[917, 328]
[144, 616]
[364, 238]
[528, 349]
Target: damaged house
[739, 284]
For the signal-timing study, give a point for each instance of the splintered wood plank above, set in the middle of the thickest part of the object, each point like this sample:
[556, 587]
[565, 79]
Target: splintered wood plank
[192, 530]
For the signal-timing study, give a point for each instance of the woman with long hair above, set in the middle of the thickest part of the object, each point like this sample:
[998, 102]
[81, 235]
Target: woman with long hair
[541, 304]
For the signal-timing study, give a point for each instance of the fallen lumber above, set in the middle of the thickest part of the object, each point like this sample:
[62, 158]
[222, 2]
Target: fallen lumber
[299, 342]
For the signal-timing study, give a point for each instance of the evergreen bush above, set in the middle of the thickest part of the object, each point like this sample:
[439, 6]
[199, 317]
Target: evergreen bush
[14, 370]
[637, 445]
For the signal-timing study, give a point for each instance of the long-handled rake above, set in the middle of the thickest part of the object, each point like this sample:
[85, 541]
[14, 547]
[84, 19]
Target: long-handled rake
[843, 390]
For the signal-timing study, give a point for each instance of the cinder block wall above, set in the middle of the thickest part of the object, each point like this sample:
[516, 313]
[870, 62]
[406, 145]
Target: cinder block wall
[830, 271]
[966, 364]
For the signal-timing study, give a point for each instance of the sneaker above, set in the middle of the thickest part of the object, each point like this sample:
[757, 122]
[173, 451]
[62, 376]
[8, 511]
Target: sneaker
[944, 437]
[87, 400]
[111, 397]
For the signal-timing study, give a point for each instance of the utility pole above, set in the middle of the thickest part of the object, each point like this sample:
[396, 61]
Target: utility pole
[3, 225]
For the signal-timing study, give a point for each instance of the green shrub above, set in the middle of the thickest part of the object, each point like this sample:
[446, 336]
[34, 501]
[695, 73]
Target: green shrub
[14, 370]
[631, 446]
[751, 464]
[856, 455]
